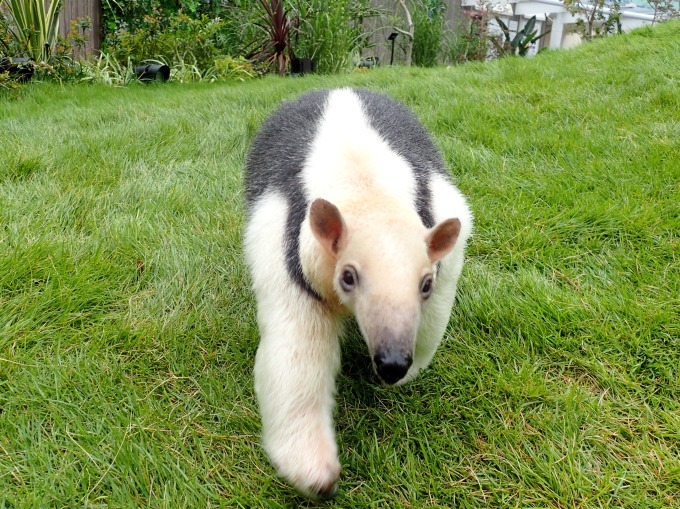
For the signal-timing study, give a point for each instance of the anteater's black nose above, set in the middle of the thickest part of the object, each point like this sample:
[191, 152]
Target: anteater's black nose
[392, 365]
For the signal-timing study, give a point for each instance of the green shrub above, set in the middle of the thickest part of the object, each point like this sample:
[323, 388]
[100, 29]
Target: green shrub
[7, 82]
[225, 69]
[471, 40]
[428, 21]
[193, 38]
[108, 70]
[178, 39]
[33, 27]
[331, 33]
[229, 68]
[134, 15]
[59, 63]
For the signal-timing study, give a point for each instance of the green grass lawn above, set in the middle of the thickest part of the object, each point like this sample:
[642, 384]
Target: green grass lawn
[127, 327]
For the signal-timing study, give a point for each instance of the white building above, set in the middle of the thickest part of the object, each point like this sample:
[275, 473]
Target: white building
[550, 15]
[554, 16]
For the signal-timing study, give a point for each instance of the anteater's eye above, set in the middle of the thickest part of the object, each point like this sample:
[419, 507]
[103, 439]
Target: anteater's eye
[348, 278]
[426, 286]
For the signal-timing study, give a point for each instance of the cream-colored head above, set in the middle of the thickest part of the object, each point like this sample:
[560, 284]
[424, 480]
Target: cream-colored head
[384, 273]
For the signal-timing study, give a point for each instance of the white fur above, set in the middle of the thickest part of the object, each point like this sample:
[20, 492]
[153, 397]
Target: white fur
[447, 201]
[349, 158]
[298, 359]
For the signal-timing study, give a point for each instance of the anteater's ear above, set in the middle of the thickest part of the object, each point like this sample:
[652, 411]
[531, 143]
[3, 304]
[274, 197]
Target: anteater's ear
[442, 238]
[328, 226]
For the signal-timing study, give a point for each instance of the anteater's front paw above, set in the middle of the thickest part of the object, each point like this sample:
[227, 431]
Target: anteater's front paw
[312, 466]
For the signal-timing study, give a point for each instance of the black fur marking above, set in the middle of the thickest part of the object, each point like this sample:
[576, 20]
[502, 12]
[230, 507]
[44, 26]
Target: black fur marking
[297, 208]
[279, 151]
[275, 161]
[407, 137]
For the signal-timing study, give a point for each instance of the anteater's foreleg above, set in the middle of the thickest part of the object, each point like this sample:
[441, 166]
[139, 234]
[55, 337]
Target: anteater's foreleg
[295, 370]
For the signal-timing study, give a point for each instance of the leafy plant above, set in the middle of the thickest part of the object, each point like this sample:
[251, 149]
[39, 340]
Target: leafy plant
[471, 40]
[7, 82]
[74, 42]
[229, 68]
[331, 33]
[178, 39]
[596, 18]
[664, 9]
[8, 45]
[33, 26]
[107, 69]
[274, 43]
[428, 20]
[521, 42]
[63, 63]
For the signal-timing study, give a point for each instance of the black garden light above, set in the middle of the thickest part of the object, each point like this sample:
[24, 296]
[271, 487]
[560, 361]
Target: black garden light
[153, 72]
[392, 37]
[20, 68]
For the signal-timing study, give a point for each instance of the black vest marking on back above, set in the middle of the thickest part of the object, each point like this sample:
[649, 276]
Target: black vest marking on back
[280, 149]
[407, 137]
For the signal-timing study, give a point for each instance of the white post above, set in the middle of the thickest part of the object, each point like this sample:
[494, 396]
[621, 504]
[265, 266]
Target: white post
[556, 32]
